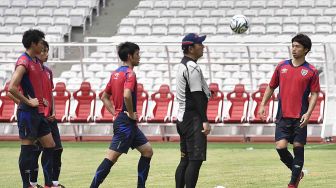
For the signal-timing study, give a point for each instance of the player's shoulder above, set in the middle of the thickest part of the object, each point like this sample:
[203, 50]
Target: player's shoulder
[23, 58]
[284, 62]
[47, 69]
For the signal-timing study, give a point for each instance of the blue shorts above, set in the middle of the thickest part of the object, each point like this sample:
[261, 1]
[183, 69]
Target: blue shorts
[289, 129]
[32, 125]
[126, 135]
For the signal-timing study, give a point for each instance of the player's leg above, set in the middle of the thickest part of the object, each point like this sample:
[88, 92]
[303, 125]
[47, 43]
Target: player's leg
[27, 134]
[47, 141]
[120, 144]
[196, 148]
[282, 135]
[184, 161]
[35, 166]
[57, 153]
[300, 140]
[141, 143]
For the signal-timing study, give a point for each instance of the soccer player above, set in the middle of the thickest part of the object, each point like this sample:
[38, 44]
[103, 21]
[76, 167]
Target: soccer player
[296, 79]
[192, 122]
[122, 86]
[49, 113]
[31, 122]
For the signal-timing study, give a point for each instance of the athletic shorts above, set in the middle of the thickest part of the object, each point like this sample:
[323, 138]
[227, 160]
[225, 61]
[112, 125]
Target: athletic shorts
[55, 134]
[126, 135]
[193, 142]
[289, 129]
[32, 125]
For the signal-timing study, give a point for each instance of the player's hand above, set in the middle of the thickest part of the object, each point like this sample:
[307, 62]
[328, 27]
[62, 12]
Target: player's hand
[304, 120]
[33, 102]
[133, 115]
[51, 118]
[206, 128]
[45, 102]
[261, 112]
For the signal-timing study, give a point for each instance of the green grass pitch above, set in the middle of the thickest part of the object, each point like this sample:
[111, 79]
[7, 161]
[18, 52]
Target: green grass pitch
[234, 165]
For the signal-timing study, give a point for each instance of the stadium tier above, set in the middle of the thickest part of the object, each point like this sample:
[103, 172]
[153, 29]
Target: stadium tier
[233, 64]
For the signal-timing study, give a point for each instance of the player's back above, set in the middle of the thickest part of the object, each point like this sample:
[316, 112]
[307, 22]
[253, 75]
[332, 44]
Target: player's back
[122, 78]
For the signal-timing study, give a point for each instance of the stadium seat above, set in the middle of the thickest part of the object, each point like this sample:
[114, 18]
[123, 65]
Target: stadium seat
[215, 104]
[142, 102]
[239, 100]
[163, 106]
[61, 102]
[86, 104]
[257, 98]
[318, 112]
[177, 4]
[105, 115]
[7, 107]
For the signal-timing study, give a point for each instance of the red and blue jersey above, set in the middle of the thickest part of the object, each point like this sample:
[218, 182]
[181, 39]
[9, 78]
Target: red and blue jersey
[48, 86]
[122, 78]
[31, 82]
[295, 85]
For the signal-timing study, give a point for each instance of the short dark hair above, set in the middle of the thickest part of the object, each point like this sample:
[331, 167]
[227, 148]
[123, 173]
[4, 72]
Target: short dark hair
[127, 48]
[32, 36]
[185, 48]
[45, 44]
[304, 40]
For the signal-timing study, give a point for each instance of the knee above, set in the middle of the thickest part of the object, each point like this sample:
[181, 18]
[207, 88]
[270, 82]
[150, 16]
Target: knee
[112, 156]
[148, 152]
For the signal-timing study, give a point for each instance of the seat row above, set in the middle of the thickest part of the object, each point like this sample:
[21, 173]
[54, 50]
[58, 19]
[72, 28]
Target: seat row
[238, 106]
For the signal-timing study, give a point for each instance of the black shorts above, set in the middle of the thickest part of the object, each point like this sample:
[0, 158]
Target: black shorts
[126, 135]
[32, 125]
[289, 129]
[55, 134]
[193, 142]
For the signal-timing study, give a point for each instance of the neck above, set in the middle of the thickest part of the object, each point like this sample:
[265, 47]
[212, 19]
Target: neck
[129, 64]
[191, 56]
[31, 53]
[298, 61]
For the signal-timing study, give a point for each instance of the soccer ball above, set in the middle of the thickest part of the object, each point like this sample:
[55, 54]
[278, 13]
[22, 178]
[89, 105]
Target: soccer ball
[239, 24]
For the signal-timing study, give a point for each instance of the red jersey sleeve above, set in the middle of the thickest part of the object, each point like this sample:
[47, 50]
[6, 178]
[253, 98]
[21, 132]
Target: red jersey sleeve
[22, 61]
[109, 86]
[315, 82]
[274, 83]
[51, 79]
[130, 81]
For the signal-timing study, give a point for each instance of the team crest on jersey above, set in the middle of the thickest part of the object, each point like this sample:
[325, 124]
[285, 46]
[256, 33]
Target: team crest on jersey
[284, 70]
[116, 75]
[304, 72]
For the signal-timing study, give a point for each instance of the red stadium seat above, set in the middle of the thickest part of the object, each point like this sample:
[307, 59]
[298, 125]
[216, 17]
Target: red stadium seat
[142, 102]
[86, 104]
[7, 107]
[215, 104]
[164, 100]
[257, 98]
[61, 102]
[317, 114]
[106, 116]
[239, 99]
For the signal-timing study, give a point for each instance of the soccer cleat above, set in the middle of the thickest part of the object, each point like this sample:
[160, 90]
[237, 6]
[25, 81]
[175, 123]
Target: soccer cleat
[299, 179]
[61, 186]
[291, 186]
[38, 186]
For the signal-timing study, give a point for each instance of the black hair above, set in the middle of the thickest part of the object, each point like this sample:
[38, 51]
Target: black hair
[304, 40]
[32, 36]
[45, 44]
[127, 48]
[185, 48]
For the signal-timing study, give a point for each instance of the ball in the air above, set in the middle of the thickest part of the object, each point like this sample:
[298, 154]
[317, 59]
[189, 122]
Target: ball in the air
[239, 24]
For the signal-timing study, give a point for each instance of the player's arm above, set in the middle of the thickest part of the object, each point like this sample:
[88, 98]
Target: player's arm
[107, 102]
[52, 116]
[198, 95]
[129, 104]
[312, 102]
[14, 87]
[267, 95]
[17, 101]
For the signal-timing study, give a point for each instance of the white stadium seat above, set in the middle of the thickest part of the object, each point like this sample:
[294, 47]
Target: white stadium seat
[177, 4]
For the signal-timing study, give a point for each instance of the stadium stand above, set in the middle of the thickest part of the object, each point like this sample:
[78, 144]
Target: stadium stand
[7, 108]
[235, 64]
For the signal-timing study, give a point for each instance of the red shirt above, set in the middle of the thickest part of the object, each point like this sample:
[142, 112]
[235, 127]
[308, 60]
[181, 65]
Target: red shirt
[295, 85]
[31, 82]
[122, 78]
[48, 86]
